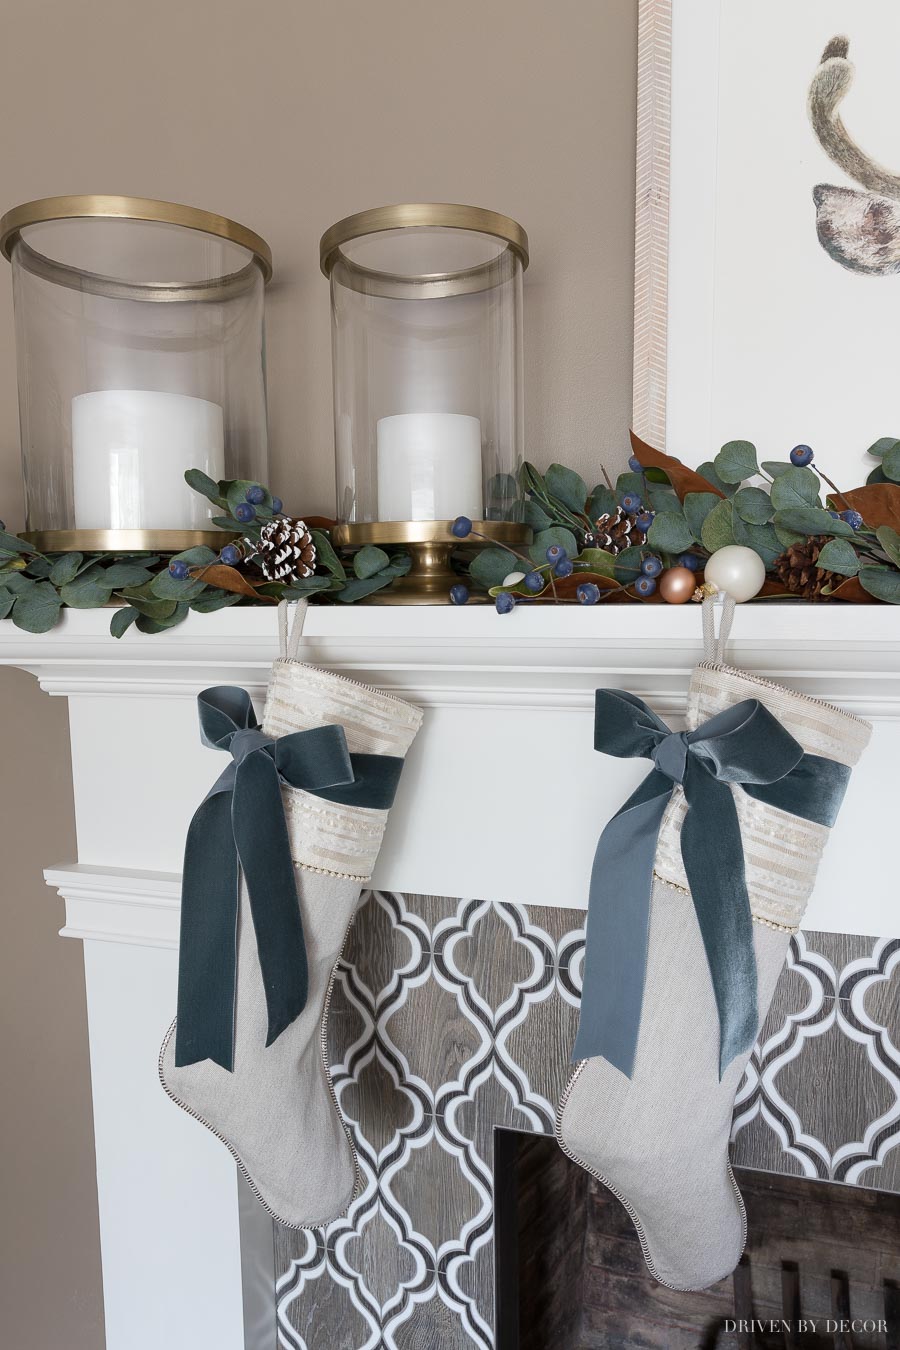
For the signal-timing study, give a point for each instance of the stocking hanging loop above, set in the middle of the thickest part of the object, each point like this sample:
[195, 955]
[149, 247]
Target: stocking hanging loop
[289, 635]
[714, 643]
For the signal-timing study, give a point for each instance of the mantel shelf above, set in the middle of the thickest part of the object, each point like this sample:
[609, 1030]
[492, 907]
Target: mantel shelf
[540, 657]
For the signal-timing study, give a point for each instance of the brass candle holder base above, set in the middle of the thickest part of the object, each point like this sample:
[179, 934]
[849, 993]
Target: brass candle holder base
[125, 541]
[430, 544]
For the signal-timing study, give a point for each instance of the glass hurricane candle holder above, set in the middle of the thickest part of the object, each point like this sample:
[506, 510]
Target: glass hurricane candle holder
[426, 303]
[140, 354]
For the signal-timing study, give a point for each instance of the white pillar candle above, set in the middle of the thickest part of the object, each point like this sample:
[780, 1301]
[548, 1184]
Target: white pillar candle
[130, 450]
[429, 467]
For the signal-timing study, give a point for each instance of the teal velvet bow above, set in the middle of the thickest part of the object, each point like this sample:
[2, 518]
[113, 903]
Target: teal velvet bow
[745, 745]
[240, 827]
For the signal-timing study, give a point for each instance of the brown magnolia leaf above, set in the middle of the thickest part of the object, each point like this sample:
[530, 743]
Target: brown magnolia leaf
[683, 479]
[851, 589]
[230, 579]
[878, 504]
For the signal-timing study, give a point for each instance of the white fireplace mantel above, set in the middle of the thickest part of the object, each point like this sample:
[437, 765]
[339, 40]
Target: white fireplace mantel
[502, 798]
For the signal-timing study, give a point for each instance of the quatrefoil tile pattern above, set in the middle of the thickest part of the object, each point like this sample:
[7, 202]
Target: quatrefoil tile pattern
[452, 1017]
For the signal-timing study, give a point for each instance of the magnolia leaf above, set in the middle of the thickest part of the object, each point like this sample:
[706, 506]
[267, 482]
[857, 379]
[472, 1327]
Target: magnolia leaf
[230, 579]
[697, 506]
[670, 533]
[596, 560]
[369, 561]
[65, 568]
[37, 609]
[813, 520]
[878, 504]
[881, 582]
[795, 487]
[122, 620]
[683, 479]
[838, 555]
[568, 486]
[717, 529]
[736, 461]
[753, 505]
[491, 565]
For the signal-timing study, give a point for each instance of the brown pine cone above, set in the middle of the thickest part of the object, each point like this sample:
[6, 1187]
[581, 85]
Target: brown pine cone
[797, 569]
[616, 531]
[284, 550]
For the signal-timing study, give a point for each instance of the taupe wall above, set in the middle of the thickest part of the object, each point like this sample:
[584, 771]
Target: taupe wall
[285, 115]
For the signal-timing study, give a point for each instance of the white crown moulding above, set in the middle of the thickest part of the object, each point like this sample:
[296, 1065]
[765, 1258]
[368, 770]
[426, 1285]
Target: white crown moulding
[540, 656]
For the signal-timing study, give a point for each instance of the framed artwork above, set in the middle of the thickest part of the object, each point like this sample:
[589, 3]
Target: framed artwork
[767, 273]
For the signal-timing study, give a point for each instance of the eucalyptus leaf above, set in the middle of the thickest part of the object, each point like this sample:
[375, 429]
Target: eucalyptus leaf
[166, 587]
[882, 446]
[670, 533]
[11, 543]
[369, 561]
[795, 487]
[568, 486]
[65, 568]
[18, 582]
[736, 461]
[775, 467]
[717, 531]
[629, 482]
[305, 586]
[839, 556]
[697, 506]
[889, 540]
[215, 599]
[707, 470]
[881, 582]
[358, 587]
[877, 475]
[663, 500]
[37, 609]
[557, 534]
[753, 505]
[761, 538]
[147, 624]
[785, 536]
[126, 574]
[122, 620]
[891, 463]
[147, 606]
[532, 481]
[7, 600]
[40, 568]
[89, 590]
[236, 495]
[603, 502]
[326, 556]
[491, 565]
[628, 564]
[533, 514]
[813, 520]
[202, 483]
[199, 556]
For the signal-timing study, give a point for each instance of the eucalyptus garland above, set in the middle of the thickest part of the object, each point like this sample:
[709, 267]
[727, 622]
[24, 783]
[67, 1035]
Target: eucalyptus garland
[607, 543]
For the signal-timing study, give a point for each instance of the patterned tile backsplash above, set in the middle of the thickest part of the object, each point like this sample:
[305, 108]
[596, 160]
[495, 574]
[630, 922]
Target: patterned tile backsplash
[452, 1017]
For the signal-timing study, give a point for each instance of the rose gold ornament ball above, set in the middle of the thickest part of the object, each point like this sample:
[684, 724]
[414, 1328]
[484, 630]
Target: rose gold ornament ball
[677, 584]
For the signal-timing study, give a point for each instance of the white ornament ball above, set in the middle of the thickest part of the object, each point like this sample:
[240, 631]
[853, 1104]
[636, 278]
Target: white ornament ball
[737, 570]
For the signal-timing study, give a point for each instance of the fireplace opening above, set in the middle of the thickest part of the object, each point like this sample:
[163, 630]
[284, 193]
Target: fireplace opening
[821, 1270]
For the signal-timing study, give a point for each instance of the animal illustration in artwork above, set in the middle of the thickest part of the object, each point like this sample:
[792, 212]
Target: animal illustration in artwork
[858, 229]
